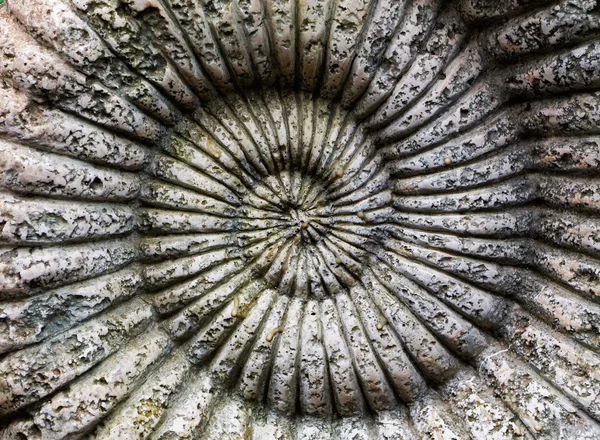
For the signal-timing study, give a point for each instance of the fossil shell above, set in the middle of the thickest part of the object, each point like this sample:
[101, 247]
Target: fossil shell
[310, 219]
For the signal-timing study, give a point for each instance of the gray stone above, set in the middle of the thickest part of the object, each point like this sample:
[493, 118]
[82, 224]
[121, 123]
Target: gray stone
[299, 219]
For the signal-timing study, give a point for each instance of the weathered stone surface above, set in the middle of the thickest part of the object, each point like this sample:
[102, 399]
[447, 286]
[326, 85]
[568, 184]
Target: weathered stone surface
[299, 219]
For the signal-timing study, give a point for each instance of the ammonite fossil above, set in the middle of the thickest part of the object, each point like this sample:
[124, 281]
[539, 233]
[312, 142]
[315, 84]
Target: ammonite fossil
[300, 219]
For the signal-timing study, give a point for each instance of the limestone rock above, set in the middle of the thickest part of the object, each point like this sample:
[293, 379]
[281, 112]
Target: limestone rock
[300, 219]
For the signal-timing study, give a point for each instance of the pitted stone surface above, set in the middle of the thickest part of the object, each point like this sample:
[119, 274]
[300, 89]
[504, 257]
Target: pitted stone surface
[299, 219]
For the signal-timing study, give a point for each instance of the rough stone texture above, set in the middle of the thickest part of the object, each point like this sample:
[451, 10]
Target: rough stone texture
[300, 219]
